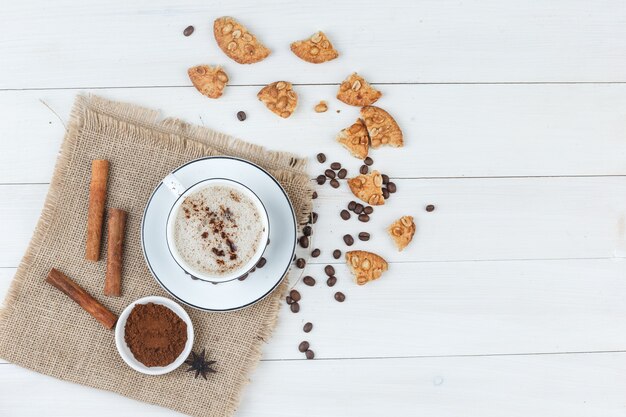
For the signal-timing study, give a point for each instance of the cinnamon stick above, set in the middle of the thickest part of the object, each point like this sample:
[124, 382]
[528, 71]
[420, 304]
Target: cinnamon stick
[113, 279]
[95, 216]
[60, 281]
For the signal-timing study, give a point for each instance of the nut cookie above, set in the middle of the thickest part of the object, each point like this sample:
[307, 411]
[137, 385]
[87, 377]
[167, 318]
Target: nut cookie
[368, 187]
[381, 127]
[240, 45]
[210, 81]
[316, 49]
[279, 97]
[355, 139]
[402, 231]
[365, 266]
[355, 91]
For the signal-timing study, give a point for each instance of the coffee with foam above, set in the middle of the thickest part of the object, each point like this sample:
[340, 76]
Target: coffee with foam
[217, 230]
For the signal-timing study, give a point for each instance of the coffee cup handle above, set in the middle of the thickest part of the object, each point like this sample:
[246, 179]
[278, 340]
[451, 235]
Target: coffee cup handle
[175, 186]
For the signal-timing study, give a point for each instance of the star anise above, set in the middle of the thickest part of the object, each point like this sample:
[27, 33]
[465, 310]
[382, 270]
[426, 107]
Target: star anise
[199, 364]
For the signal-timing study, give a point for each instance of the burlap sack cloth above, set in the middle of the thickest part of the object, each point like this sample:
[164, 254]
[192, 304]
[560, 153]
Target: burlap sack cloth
[43, 330]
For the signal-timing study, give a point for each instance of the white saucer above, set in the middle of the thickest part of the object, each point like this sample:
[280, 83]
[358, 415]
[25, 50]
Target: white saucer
[231, 295]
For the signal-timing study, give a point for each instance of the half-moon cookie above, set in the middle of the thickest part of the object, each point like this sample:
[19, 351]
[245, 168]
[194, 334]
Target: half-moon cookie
[279, 97]
[355, 91]
[402, 231]
[365, 266]
[237, 42]
[210, 81]
[316, 49]
[381, 127]
[368, 187]
[355, 139]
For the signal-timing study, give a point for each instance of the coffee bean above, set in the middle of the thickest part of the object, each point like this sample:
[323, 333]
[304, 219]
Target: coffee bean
[368, 161]
[295, 307]
[314, 195]
[295, 295]
[241, 115]
[368, 210]
[188, 30]
[364, 218]
[308, 280]
[321, 179]
[330, 173]
[321, 158]
[336, 254]
[342, 173]
[364, 169]
[300, 263]
[252, 270]
[345, 214]
[304, 346]
[364, 236]
[243, 277]
[309, 353]
[331, 281]
[289, 300]
[349, 240]
[316, 253]
[351, 205]
[339, 296]
[294, 257]
[268, 241]
[307, 230]
[261, 263]
[385, 179]
[335, 166]
[430, 208]
[385, 193]
[308, 326]
[358, 209]
[334, 183]
[329, 270]
[313, 217]
[391, 187]
[304, 242]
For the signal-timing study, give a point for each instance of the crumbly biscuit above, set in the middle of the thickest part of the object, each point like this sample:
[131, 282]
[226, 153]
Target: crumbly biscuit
[210, 81]
[402, 231]
[355, 91]
[365, 266]
[321, 107]
[279, 97]
[316, 49]
[240, 45]
[381, 127]
[368, 187]
[355, 139]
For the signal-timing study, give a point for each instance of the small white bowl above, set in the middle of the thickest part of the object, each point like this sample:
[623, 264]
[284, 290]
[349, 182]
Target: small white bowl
[127, 355]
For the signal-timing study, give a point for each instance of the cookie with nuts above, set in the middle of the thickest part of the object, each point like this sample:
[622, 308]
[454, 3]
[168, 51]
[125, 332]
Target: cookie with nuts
[208, 80]
[402, 231]
[279, 97]
[368, 187]
[381, 127]
[355, 139]
[355, 91]
[237, 42]
[316, 49]
[365, 266]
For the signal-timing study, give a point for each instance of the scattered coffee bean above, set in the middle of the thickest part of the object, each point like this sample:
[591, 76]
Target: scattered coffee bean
[330, 173]
[329, 270]
[364, 218]
[339, 296]
[313, 217]
[300, 263]
[331, 281]
[335, 165]
[188, 30]
[289, 300]
[308, 326]
[334, 183]
[364, 236]
[261, 263]
[252, 270]
[430, 208]
[316, 253]
[342, 173]
[309, 353]
[364, 169]
[308, 280]
[351, 205]
[358, 209]
[385, 193]
[241, 115]
[391, 187]
[314, 195]
[321, 179]
[304, 346]
[336, 254]
[304, 242]
[385, 179]
[345, 214]
[295, 307]
[295, 295]
[349, 240]
[243, 277]
[368, 210]
[307, 231]
[321, 158]
[368, 161]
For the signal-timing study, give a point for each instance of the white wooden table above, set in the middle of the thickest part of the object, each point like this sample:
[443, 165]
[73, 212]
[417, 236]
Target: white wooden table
[511, 301]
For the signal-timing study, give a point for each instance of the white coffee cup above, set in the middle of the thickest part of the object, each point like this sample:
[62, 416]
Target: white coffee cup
[179, 190]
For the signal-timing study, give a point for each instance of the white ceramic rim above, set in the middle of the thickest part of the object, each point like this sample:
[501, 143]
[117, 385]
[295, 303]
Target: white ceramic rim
[127, 355]
[251, 262]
